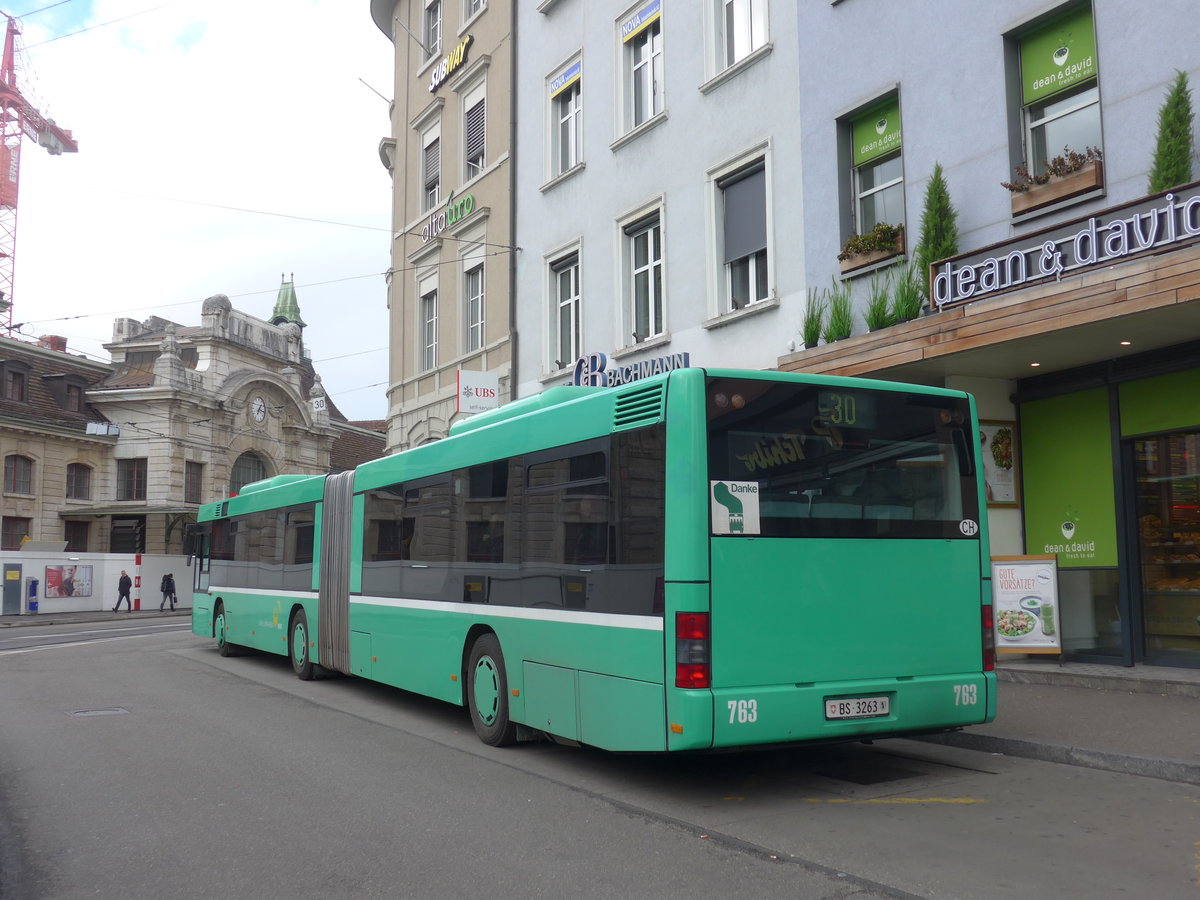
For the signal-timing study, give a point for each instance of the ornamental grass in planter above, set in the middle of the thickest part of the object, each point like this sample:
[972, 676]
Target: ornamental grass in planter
[881, 242]
[1066, 176]
[814, 318]
[879, 292]
[906, 294]
[841, 317]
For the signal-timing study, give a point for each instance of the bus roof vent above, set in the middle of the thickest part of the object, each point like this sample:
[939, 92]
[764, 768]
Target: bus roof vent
[639, 406]
[222, 510]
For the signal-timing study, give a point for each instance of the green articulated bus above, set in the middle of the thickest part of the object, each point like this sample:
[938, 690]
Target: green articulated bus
[701, 559]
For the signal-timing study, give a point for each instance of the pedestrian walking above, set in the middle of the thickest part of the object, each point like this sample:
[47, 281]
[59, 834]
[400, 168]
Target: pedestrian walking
[124, 585]
[168, 590]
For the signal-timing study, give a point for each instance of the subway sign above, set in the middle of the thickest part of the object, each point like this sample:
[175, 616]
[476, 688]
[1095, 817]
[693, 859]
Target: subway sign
[1151, 225]
[450, 63]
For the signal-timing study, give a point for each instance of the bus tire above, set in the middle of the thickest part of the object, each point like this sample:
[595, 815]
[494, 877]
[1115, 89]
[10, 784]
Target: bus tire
[487, 693]
[298, 649]
[221, 633]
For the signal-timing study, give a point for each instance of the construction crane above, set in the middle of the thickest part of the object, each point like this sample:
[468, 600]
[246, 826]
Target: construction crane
[18, 117]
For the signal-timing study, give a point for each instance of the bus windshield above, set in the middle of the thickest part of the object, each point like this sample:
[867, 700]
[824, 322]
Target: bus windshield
[833, 461]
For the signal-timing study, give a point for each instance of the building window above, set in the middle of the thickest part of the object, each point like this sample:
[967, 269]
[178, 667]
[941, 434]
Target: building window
[473, 301]
[247, 469]
[564, 281]
[475, 130]
[74, 398]
[431, 167]
[1059, 88]
[79, 482]
[18, 475]
[743, 29]
[131, 479]
[474, 7]
[432, 28]
[878, 175]
[15, 385]
[428, 329]
[742, 204]
[193, 482]
[566, 119]
[13, 531]
[641, 34]
[76, 536]
[643, 241]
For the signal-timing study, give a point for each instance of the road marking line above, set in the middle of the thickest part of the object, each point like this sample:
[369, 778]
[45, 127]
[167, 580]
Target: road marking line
[34, 637]
[895, 800]
[74, 644]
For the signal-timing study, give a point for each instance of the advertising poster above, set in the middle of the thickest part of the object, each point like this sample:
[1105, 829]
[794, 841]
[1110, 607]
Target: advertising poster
[68, 581]
[998, 450]
[1025, 604]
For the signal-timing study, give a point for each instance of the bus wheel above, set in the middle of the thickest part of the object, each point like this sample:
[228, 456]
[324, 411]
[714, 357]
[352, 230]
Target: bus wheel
[487, 693]
[223, 646]
[302, 663]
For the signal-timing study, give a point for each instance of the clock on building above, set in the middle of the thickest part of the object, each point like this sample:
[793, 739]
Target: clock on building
[258, 409]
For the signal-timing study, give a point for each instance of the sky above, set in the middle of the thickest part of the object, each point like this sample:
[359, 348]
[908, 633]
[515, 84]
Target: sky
[223, 144]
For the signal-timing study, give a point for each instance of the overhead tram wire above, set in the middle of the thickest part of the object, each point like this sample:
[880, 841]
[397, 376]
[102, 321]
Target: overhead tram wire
[98, 24]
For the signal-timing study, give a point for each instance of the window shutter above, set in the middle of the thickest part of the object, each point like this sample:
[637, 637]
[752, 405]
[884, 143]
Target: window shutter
[745, 195]
[433, 164]
[476, 132]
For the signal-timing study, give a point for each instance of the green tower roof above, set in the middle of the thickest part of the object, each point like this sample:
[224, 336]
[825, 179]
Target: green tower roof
[286, 307]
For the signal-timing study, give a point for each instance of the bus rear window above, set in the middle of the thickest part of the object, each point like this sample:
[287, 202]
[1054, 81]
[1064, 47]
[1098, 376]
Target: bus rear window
[845, 462]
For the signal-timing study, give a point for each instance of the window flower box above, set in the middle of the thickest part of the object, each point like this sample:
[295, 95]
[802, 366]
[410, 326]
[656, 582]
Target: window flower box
[861, 251]
[1062, 187]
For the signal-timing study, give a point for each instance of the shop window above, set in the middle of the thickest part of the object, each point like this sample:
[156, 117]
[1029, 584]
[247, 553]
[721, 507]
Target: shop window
[14, 530]
[878, 171]
[431, 167]
[193, 482]
[641, 36]
[1060, 92]
[565, 309]
[79, 481]
[742, 209]
[566, 119]
[475, 130]
[76, 536]
[18, 475]
[644, 255]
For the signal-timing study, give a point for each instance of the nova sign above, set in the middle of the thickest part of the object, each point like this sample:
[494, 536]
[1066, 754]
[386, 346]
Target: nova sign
[1154, 224]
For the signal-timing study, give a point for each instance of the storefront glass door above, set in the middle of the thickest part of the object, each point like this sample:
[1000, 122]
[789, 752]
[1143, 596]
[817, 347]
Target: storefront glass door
[1167, 472]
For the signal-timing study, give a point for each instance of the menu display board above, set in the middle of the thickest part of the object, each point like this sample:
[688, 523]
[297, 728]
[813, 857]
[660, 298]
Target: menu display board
[1025, 604]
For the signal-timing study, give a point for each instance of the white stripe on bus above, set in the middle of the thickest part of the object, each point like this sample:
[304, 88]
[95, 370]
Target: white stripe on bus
[575, 617]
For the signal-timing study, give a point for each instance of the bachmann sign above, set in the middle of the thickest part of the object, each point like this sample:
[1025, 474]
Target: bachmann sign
[593, 370]
[1156, 223]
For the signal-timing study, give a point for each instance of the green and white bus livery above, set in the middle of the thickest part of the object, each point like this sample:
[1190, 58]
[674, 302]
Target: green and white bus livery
[702, 559]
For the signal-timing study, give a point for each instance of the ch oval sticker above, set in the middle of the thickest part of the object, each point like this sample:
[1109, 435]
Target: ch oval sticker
[969, 527]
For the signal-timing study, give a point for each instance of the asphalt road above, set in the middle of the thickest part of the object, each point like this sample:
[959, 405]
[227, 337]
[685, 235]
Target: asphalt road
[136, 762]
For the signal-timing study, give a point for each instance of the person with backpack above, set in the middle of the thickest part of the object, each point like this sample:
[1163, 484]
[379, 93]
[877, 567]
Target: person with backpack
[168, 590]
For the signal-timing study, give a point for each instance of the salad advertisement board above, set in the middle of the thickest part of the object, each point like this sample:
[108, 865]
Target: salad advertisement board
[998, 449]
[1025, 604]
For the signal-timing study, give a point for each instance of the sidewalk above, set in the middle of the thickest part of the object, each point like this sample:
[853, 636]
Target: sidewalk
[1143, 720]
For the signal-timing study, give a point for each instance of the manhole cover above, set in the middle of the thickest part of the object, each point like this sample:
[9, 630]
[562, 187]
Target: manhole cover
[111, 711]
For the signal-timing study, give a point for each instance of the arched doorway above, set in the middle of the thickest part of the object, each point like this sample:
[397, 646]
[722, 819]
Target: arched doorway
[247, 468]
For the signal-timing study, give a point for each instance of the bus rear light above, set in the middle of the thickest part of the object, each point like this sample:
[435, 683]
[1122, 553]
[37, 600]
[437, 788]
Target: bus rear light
[989, 641]
[693, 655]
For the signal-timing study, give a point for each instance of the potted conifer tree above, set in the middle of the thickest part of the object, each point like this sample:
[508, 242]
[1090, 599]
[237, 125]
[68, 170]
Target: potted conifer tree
[1175, 146]
[939, 228]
